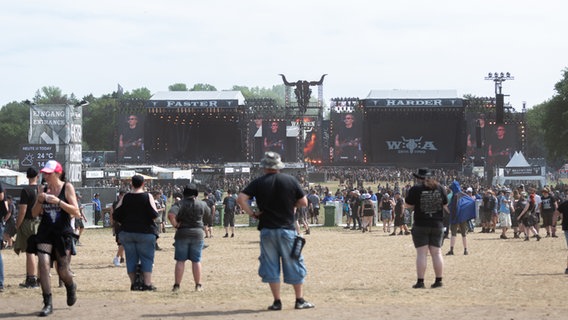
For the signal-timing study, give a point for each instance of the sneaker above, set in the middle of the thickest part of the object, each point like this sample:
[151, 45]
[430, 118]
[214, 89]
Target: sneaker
[121, 259]
[232, 235]
[226, 235]
[198, 287]
[450, 253]
[418, 285]
[392, 234]
[503, 236]
[538, 237]
[303, 304]
[465, 253]
[275, 306]
[116, 261]
[406, 233]
[149, 288]
[437, 284]
[175, 288]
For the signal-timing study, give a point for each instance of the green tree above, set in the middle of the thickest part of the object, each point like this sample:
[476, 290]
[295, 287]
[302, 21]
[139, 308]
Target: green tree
[178, 87]
[53, 95]
[535, 132]
[99, 123]
[140, 93]
[553, 123]
[203, 87]
[14, 126]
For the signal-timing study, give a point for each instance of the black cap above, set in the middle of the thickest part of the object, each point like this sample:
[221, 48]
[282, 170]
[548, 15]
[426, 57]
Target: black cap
[31, 172]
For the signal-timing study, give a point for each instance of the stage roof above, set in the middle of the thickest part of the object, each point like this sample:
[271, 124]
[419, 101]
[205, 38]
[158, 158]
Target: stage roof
[198, 96]
[413, 94]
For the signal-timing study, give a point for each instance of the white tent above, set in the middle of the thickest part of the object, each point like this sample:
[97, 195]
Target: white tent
[518, 170]
[13, 177]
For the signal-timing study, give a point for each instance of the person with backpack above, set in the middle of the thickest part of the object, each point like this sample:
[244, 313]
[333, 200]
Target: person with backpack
[186, 216]
[462, 209]
[230, 204]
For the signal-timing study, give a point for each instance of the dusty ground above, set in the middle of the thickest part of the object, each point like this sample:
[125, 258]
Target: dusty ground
[351, 276]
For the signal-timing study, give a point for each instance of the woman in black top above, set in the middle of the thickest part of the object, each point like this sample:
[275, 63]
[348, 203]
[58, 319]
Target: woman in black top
[136, 212]
[428, 199]
[57, 205]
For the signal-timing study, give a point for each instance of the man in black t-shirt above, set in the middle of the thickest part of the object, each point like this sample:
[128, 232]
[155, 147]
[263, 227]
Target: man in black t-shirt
[26, 226]
[277, 194]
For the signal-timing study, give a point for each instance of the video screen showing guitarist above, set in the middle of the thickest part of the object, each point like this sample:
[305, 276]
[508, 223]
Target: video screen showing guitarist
[131, 140]
[274, 137]
[348, 140]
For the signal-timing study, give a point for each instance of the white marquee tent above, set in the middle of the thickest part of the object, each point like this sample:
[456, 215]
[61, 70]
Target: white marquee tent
[518, 170]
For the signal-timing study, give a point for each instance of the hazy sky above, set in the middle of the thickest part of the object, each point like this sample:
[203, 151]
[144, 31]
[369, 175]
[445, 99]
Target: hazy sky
[88, 47]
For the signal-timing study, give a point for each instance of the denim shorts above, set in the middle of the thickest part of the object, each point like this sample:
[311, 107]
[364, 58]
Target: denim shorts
[138, 248]
[427, 236]
[275, 248]
[188, 249]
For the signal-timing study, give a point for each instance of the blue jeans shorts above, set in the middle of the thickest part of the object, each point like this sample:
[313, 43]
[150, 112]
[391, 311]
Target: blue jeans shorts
[138, 248]
[275, 249]
[188, 249]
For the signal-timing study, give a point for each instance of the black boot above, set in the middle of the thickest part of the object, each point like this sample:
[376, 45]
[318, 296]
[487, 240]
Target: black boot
[71, 294]
[47, 306]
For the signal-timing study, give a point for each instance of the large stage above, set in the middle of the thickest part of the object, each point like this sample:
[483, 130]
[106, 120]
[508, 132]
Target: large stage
[386, 128]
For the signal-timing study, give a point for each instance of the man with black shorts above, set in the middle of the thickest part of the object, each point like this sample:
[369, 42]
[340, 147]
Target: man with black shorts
[429, 201]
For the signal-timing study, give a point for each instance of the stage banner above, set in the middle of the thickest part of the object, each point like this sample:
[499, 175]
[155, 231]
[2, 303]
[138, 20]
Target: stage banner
[522, 171]
[374, 103]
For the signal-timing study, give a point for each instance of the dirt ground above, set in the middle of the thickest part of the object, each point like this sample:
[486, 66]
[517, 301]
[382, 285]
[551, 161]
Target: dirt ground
[351, 275]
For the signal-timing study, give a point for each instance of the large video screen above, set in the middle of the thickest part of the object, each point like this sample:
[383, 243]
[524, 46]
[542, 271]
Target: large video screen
[501, 141]
[417, 142]
[130, 146]
[274, 137]
[347, 138]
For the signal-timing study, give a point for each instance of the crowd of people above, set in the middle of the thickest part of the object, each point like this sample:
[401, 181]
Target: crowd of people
[428, 205]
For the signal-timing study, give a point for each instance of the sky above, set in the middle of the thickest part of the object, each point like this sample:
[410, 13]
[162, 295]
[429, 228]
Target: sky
[89, 47]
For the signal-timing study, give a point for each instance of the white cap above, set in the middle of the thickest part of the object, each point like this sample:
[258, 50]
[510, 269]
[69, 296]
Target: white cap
[469, 189]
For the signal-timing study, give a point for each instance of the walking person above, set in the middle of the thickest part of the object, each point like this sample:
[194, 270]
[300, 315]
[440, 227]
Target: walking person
[563, 210]
[57, 205]
[429, 201]
[119, 257]
[27, 226]
[367, 212]
[277, 194]
[187, 218]
[136, 213]
[527, 215]
[505, 209]
[461, 210]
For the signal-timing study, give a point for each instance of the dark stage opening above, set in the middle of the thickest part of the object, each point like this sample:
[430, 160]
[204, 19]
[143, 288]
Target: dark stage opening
[196, 138]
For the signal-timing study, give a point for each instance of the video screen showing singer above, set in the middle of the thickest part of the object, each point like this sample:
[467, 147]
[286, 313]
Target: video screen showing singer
[131, 140]
[274, 137]
[348, 140]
